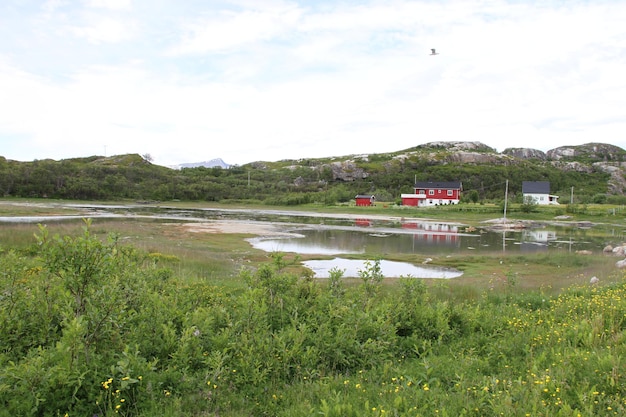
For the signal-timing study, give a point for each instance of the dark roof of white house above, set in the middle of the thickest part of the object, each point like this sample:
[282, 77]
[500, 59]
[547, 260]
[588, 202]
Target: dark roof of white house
[448, 185]
[536, 187]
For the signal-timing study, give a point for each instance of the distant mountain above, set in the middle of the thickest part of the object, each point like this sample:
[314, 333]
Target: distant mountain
[217, 162]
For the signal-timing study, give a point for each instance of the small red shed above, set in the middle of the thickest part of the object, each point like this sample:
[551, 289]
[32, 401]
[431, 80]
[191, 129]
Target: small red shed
[365, 200]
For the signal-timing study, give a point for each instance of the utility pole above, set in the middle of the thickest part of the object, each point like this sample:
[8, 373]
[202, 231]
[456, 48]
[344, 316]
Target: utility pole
[506, 197]
[571, 199]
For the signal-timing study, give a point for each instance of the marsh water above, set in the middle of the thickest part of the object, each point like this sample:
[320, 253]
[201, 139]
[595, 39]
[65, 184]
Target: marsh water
[337, 240]
[311, 233]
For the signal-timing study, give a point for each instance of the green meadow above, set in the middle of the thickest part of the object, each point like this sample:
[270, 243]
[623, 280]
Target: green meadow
[138, 318]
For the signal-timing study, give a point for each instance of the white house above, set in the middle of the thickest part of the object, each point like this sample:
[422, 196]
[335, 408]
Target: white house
[538, 192]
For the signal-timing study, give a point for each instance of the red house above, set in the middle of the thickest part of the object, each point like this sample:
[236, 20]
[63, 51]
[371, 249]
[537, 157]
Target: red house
[365, 200]
[433, 194]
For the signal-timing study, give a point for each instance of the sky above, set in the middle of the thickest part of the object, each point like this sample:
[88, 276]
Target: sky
[265, 80]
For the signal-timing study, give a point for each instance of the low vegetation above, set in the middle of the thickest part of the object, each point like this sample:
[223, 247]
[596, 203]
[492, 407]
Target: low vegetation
[90, 325]
[326, 181]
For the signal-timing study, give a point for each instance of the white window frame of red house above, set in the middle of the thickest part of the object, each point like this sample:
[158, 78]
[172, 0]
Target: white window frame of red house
[450, 193]
[431, 192]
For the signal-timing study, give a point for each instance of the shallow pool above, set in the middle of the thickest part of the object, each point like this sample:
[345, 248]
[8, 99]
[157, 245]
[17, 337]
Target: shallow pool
[390, 269]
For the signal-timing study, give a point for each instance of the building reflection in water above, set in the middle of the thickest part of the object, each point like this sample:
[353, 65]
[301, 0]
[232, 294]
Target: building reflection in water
[434, 233]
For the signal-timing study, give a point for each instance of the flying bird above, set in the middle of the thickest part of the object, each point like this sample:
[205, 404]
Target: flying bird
[433, 52]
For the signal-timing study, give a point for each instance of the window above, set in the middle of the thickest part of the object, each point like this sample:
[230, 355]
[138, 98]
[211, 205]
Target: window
[431, 192]
[449, 193]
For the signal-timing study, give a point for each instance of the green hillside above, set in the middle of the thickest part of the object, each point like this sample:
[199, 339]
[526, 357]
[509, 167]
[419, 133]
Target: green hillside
[595, 171]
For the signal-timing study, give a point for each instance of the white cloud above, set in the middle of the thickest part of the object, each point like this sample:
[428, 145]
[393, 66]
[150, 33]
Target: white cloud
[225, 30]
[109, 4]
[53, 5]
[275, 80]
[106, 30]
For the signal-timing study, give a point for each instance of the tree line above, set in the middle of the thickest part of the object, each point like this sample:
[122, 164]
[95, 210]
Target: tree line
[282, 183]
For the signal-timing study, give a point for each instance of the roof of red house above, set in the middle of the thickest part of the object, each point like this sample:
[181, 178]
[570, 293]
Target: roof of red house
[454, 185]
[365, 196]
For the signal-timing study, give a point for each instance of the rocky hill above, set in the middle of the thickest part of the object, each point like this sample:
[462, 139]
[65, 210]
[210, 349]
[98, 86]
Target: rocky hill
[596, 170]
[477, 165]
[583, 159]
[525, 153]
[592, 152]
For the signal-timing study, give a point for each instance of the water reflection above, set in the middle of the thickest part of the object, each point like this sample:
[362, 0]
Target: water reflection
[390, 269]
[535, 240]
[433, 234]
[341, 240]
[427, 239]
[322, 241]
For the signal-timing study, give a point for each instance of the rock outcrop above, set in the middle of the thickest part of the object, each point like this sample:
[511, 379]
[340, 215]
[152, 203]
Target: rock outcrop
[346, 171]
[592, 157]
[592, 152]
[458, 146]
[463, 157]
[525, 153]
[572, 166]
[617, 170]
